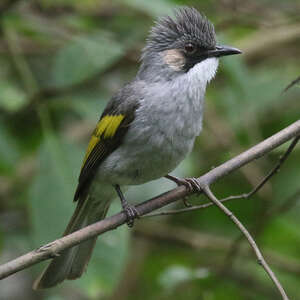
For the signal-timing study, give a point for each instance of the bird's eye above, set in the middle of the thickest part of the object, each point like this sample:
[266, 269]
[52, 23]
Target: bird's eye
[190, 48]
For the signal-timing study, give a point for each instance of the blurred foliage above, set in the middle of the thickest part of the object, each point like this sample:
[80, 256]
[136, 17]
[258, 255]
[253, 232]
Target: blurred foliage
[60, 63]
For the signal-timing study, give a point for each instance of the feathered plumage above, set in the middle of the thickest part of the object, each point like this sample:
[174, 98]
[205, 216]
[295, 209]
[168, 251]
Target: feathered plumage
[187, 24]
[146, 130]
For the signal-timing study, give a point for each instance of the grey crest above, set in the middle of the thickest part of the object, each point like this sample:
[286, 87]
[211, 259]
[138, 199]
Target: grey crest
[188, 25]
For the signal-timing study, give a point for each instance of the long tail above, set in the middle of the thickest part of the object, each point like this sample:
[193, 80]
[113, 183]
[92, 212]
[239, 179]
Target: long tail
[71, 263]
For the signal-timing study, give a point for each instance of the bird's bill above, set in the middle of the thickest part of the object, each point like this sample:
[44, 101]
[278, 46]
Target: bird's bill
[223, 51]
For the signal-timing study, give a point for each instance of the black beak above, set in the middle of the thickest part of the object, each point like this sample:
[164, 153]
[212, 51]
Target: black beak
[223, 51]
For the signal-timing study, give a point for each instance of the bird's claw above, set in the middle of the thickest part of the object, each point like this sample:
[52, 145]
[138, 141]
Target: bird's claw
[191, 184]
[131, 213]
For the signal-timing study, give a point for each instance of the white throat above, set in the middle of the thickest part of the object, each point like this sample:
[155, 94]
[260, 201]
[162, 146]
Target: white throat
[196, 79]
[204, 71]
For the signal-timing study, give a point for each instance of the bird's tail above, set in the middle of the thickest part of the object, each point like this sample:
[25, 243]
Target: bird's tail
[71, 263]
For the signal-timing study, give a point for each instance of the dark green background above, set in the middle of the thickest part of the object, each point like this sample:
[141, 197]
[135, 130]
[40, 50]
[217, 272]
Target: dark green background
[60, 62]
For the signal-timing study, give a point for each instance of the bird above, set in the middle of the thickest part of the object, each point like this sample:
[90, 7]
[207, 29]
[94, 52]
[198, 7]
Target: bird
[147, 128]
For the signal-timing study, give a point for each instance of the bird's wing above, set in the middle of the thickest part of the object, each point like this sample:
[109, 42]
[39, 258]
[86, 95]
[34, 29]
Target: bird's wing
[106, 137]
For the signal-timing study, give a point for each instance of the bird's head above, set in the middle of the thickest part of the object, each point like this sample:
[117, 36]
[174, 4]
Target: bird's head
[178, 44]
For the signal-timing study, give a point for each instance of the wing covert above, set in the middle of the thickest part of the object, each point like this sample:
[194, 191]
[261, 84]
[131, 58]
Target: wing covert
[107, 136]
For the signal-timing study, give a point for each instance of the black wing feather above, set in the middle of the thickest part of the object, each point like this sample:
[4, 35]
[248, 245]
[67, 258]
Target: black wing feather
[121, 104]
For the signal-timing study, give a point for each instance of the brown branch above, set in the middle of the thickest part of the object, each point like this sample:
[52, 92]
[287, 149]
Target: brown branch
[54, 248]
[275, 170]
[234, 219]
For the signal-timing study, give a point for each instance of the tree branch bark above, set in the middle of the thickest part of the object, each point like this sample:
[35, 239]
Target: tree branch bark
[250, 239]
[257, 188]
[54, 248]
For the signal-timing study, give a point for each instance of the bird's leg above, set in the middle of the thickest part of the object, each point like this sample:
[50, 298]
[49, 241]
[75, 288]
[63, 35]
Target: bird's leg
[190, 183]
[129, 210]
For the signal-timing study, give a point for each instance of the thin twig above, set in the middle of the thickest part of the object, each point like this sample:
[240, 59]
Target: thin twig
[275, 169]
[235, 247]
[146, 207]
[251, 241]
[297, 80]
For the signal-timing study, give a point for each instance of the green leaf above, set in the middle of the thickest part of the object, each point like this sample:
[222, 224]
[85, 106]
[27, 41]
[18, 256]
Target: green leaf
[12, 98]
[82, 58]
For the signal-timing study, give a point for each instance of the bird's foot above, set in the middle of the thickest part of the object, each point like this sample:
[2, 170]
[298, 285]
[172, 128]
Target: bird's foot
[131, 213]
[191, 184]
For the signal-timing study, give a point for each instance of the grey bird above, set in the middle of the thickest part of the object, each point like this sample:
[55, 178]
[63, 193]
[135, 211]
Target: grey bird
[146, 129]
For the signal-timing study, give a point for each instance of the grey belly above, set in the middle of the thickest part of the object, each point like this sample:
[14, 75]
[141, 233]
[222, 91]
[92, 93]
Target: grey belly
[133, 163]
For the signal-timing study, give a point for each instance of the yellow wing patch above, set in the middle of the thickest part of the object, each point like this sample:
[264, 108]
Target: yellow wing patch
[107, 128]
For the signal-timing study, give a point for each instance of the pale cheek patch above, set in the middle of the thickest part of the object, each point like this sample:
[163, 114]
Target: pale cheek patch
[174, 59]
